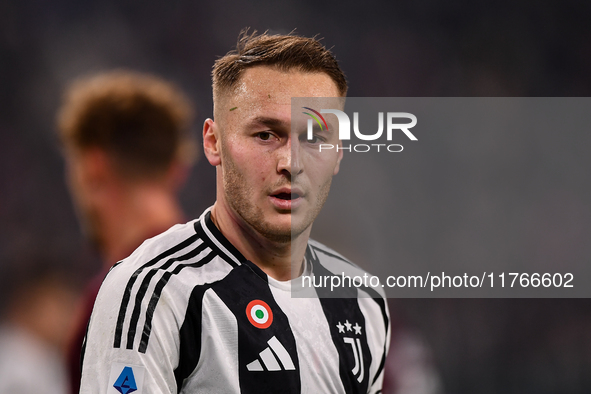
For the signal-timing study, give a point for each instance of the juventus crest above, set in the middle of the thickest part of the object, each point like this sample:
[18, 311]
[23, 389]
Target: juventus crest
[351, 337]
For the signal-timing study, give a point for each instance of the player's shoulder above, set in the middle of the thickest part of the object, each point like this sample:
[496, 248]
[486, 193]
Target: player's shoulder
[183, 254]
[178, 238]
[325, 254]
[337, 264]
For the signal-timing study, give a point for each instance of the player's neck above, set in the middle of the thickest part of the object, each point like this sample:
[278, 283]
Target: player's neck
[272, 257]
[130, 219]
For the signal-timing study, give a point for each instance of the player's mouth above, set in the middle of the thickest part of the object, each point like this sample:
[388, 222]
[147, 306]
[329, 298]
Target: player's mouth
[286, 198]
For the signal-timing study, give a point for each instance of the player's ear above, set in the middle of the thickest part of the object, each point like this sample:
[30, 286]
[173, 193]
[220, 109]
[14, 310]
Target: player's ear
[339, 158]
[211, 142]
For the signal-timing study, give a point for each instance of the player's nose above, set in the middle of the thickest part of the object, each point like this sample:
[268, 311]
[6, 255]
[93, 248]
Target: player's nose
[289, 159]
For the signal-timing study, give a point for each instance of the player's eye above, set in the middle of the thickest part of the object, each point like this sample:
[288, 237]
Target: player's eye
[264, 135]
[316, 139]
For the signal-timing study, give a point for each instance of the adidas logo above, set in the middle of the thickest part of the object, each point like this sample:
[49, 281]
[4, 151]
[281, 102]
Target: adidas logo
[269, 357]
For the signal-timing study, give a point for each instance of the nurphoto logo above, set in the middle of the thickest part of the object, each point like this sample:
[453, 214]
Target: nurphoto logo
[393, 125]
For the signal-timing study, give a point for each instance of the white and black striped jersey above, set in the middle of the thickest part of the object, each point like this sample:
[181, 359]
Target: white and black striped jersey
[187, 313]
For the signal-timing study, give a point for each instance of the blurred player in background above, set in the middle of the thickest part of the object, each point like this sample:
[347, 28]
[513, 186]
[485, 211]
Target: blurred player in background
[128, 151]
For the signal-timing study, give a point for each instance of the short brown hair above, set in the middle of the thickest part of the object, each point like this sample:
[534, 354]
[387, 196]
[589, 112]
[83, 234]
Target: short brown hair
[285, 52]
[140, 120]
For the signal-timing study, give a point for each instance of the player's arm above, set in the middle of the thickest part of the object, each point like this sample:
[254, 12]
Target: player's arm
[131, 346]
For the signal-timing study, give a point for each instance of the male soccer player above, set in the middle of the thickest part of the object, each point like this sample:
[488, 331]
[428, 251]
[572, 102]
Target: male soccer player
[206, 307]
[126, 142]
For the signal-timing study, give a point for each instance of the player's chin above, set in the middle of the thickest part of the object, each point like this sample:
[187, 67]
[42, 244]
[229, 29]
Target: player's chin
[278, 234]
[300, 224]
[282, 226]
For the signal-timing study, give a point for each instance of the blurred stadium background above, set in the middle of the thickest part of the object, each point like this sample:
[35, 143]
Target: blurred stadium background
[421, 48]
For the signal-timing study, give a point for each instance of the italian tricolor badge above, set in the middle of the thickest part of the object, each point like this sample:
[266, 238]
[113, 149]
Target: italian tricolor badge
[259, 314]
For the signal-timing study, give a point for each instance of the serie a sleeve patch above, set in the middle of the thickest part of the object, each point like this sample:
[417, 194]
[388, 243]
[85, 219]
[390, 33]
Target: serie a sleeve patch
[126, 379]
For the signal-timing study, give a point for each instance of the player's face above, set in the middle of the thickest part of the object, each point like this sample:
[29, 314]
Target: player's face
[273, 177]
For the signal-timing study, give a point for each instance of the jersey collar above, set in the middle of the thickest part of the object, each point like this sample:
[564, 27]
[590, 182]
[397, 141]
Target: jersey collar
[208, 231]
